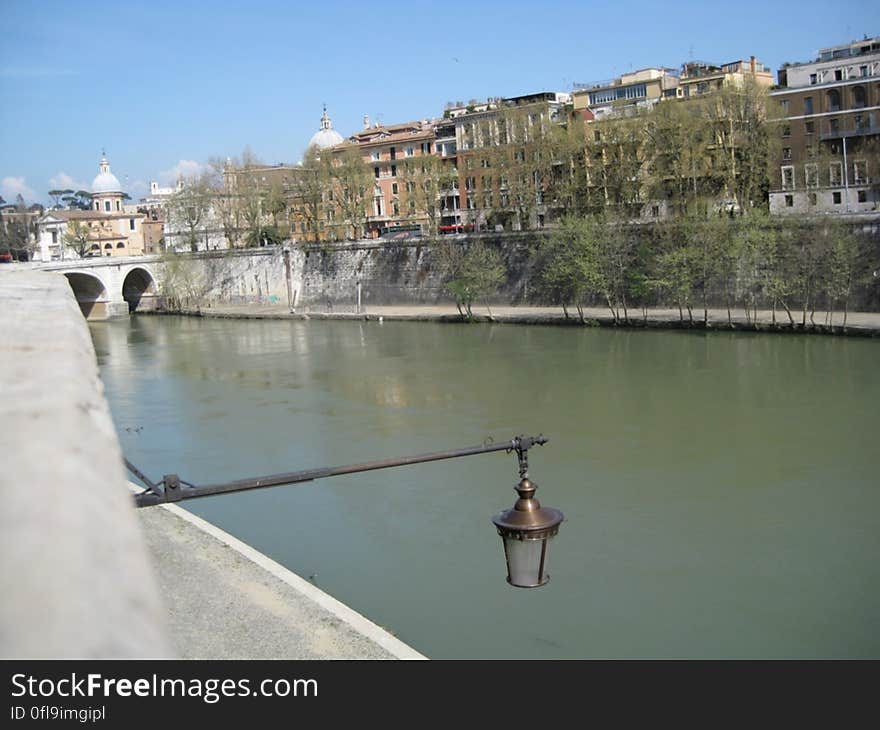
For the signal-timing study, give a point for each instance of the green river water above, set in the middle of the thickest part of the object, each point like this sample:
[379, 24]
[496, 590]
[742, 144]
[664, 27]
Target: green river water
[721, 491]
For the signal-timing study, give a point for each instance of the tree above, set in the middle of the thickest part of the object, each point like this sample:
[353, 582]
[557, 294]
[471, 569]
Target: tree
[57, 195]
[352, 185]
[423, 178]
[843, 258]
[188, 208]
[677, 142]
[77, 238]
[745, 139]
[81, 199]
[675, 270]
[308, 191]
[568, 264]
[17, 229]
[473, 273]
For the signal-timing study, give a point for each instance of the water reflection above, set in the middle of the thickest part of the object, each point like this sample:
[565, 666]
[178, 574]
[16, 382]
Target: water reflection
[719, 489]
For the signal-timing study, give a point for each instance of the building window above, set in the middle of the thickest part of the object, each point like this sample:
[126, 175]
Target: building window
[786, 153]
[812, 79]
[374, 156]
[812, 198]
[838, 74]
[860, 172]
[55, 236]
[859, 98]
[835, 198]
[835, 173]
[394, 188]
[808, 105]
[395, 207]
[410, 151]
[108, 245]
[655, 211]
[786, 131]
[784, 104]
[789, 201]
[393, 153]
[863, 71]
[811, 175]
[788, 178]
[107, 205]
[120, 245]
[833, 97]
[131, 224]
[863, 196]
[393, 170]
[809, 127]
[376, 172]
[834, 126]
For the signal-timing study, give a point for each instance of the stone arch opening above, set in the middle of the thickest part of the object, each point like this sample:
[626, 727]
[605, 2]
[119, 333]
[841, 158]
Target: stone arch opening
[91, 295]
[139, 290]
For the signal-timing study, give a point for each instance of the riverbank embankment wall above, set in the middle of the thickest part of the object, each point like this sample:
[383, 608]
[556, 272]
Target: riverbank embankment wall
[341, 276]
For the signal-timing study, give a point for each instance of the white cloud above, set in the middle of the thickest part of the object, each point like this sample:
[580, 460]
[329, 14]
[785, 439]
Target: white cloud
[12, 186]
[186, 169]
[63, 181]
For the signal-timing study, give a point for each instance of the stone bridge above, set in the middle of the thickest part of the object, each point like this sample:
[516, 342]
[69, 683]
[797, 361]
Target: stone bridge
[111, 286]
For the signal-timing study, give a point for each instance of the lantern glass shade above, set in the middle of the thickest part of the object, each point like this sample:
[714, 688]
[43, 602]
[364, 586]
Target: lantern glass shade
[526, 530]
[526, 562]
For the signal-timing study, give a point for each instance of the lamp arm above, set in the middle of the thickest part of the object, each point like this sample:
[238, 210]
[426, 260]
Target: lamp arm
[173, 489]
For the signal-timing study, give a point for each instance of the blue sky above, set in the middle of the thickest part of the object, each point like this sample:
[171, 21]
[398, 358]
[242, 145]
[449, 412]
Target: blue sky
[163, 86]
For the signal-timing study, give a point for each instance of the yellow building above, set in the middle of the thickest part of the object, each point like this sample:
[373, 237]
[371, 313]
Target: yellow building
[112, 231]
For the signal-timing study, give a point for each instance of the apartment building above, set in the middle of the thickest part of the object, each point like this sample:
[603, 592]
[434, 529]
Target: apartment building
[830, 136]
[626, 94]
[390, 152]
[699, 78]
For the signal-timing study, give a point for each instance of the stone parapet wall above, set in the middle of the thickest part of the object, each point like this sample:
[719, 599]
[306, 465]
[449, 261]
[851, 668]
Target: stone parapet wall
[74, 575]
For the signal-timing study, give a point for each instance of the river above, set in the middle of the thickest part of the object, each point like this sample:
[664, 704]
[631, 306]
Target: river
[721, 490]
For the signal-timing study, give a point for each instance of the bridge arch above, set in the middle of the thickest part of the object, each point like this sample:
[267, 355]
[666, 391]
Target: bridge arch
[91, 294]
[139, 289]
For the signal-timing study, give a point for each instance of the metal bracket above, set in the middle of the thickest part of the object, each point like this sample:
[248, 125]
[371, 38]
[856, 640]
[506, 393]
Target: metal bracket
[172, 491]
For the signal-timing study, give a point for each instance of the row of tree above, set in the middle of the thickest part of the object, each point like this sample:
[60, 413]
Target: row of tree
[698, 261]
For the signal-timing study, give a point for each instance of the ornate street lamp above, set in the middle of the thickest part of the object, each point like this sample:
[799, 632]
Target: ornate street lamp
[526, 528]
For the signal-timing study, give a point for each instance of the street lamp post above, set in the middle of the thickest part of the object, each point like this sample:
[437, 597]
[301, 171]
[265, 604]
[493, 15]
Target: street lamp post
[525, 529]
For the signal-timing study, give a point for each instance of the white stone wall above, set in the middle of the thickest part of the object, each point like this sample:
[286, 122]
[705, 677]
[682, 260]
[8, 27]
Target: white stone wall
[75, 579]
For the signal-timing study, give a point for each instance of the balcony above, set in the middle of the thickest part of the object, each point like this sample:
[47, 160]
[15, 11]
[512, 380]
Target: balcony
[862, 131]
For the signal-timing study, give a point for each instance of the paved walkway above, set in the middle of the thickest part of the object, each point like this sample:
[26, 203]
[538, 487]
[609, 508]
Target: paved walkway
[859, 323]
[224, 600]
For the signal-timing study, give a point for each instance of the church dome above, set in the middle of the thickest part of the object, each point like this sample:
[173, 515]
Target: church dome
[326, 136]
[105, 181]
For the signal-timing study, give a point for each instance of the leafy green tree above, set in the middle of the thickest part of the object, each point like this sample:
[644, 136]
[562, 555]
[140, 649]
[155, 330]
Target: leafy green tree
[567, 264]
[843, 266]
[473, 274]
